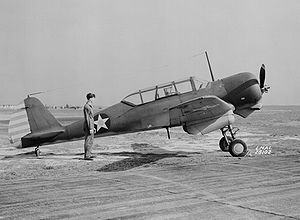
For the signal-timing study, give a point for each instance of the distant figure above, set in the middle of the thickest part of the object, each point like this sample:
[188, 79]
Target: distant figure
[88, 126]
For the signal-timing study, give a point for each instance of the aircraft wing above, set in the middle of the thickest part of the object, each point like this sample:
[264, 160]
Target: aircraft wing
[203, 114]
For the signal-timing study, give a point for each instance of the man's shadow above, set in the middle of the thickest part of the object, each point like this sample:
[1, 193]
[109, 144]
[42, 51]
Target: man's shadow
[143, 154]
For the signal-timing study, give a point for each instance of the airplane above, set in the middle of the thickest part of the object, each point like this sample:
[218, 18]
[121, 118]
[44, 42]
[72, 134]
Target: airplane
[198, 107]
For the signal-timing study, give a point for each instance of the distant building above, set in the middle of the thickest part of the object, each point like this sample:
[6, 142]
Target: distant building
[7, 106]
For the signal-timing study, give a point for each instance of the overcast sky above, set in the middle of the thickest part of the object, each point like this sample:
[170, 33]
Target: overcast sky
[112, 48]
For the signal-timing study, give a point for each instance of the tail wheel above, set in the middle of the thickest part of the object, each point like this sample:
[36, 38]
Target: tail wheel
[224, 146]
[238, 148]
[37, 151]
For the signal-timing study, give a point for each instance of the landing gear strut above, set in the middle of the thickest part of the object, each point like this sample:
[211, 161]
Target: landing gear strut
[37, 151]
[236, 147]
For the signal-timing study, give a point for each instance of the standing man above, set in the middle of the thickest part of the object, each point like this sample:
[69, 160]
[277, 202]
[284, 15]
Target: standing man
[88, 126]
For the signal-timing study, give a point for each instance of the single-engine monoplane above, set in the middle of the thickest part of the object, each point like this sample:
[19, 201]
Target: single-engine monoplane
[199, 107]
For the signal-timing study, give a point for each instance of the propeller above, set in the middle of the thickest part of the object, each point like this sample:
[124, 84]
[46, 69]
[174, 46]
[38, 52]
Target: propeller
[262, 78]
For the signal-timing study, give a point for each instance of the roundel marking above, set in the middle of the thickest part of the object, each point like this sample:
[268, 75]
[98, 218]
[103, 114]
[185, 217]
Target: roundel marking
[102, 123]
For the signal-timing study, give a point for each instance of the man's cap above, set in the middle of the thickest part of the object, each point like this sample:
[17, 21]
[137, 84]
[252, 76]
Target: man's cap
[90, 95]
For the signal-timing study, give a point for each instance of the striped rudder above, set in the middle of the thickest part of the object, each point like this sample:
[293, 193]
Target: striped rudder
[18, 125]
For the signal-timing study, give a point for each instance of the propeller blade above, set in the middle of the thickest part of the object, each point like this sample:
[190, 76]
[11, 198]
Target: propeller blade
[262, 76]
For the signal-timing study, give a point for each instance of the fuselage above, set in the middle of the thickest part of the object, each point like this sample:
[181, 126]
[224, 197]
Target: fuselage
[149, 109]
[240, 90]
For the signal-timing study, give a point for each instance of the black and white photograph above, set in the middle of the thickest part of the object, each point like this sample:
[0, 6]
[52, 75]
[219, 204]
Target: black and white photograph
[150, 109]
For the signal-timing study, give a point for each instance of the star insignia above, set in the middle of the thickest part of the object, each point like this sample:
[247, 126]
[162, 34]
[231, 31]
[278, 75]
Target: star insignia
[101, 122]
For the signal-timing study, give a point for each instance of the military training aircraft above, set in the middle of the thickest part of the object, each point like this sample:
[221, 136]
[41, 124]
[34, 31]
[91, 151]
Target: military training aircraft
[196, 106]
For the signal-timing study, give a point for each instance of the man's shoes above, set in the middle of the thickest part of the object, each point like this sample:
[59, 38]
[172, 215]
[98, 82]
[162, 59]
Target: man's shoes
[88, 158]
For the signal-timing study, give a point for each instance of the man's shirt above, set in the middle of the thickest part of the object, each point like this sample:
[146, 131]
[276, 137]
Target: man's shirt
[88, 117]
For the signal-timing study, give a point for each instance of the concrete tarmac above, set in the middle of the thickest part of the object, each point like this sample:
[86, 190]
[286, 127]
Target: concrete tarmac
[163, 186]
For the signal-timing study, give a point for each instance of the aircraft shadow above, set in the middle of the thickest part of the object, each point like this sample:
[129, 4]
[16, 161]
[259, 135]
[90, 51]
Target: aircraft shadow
[143, 154]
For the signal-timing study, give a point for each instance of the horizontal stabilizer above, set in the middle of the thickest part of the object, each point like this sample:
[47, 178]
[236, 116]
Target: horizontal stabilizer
[43, 134]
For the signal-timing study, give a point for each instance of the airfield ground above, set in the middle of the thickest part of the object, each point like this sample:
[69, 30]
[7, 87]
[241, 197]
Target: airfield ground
[147, 176]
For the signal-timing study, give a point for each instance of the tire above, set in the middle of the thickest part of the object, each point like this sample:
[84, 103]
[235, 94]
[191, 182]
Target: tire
[238, 148]
[223, 144]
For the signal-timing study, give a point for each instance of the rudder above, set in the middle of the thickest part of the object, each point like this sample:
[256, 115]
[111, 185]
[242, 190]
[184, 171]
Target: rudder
[18, 124]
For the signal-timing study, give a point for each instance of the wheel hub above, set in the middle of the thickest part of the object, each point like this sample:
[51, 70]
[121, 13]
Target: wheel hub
[238, 148]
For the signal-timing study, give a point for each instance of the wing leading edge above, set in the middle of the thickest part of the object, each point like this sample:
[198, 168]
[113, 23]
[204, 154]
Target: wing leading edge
[204, 114]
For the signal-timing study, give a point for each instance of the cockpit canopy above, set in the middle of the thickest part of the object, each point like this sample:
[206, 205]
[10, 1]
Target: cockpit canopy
[165, 90]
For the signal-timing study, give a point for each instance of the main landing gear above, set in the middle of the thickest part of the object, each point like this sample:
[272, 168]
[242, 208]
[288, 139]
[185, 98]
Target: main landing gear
[236, 147]
[37, 151]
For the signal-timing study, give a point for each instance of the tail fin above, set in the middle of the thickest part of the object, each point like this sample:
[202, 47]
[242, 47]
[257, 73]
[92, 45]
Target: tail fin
[39, 117]
[32, 121]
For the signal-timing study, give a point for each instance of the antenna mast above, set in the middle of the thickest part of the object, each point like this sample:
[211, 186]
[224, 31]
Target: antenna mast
[211, 74]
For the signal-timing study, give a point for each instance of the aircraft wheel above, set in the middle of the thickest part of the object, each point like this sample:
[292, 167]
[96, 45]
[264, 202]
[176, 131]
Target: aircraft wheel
[238, 148]
[223, 144]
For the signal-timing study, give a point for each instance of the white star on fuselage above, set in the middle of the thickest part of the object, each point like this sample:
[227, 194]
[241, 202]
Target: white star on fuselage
[101, 123]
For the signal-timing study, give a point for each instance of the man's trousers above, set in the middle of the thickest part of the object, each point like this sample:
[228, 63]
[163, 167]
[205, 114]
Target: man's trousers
[88, 143]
